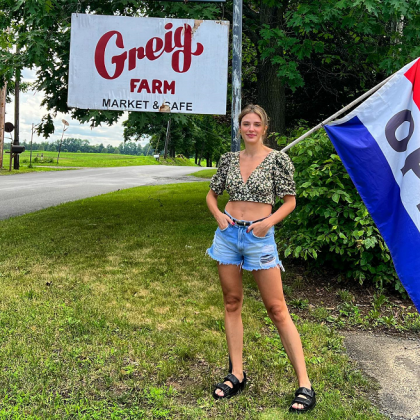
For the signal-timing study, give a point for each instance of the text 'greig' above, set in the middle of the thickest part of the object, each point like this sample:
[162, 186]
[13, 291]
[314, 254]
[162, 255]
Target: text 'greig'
[178, 43]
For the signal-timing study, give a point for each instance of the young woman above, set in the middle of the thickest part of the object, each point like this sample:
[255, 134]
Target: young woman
[245, 240]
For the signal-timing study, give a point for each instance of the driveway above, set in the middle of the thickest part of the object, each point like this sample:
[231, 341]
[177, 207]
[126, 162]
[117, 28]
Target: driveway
[26, 193]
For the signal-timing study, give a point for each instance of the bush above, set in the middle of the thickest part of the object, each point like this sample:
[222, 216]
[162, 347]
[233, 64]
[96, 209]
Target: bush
[331, 226]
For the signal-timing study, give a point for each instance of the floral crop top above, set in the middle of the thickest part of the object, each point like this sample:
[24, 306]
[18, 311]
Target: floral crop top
[273, 177]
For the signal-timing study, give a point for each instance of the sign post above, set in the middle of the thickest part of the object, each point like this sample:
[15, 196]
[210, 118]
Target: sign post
[236, 73]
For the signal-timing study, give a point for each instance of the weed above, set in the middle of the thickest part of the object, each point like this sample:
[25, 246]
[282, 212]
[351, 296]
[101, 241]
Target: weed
[299, 303]
[345, 296]
[287, 290]
[379, 299]
[320, 313]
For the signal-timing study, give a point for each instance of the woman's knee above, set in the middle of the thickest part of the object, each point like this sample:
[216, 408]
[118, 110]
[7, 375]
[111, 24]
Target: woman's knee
[233, 303]
[278, 313]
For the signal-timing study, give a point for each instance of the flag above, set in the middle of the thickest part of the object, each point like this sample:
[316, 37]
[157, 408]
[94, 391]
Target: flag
[379, 145]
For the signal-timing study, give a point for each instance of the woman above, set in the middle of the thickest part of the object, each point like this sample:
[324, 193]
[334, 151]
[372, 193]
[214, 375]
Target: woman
[245, 240]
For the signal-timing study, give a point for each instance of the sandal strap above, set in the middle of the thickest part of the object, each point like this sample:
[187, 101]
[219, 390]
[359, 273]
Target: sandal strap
[299, 400]
[232, 378]
[224, 387]
[305, 391]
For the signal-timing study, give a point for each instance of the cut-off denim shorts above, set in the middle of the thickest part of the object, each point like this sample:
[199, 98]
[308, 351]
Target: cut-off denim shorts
[233, 245]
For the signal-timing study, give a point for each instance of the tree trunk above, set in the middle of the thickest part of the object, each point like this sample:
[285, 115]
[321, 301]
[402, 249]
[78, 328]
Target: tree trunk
[208, 158]
[271, 96]
[271, 93]
[201, 154]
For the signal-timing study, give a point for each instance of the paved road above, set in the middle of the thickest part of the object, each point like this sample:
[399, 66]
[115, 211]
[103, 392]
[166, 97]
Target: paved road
[395, 363]
[25, 193]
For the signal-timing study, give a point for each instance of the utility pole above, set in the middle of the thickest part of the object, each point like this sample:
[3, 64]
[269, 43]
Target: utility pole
[168, 137]
[236, 73]
[65, 128]
[3, 96]
[17, 88]
[2, 120]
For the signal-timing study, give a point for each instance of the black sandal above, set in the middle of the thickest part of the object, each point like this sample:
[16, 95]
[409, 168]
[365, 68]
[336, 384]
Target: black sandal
[308, 403]
[229, 392]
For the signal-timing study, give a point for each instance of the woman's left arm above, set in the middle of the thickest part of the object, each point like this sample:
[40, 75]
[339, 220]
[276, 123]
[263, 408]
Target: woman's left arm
[261, 228]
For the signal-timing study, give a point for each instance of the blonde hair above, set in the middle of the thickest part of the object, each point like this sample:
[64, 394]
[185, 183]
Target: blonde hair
[255, 109]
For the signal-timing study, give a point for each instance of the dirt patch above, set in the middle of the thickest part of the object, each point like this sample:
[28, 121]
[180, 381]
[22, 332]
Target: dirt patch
[323, 290]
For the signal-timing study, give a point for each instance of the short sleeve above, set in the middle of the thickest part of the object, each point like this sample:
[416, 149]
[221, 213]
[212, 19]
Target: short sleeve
[218, 180]
[283, 175]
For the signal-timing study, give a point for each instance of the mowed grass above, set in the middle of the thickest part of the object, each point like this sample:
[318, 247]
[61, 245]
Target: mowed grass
[109, 309]
[86, 160]
[205, 173]
[99, 160]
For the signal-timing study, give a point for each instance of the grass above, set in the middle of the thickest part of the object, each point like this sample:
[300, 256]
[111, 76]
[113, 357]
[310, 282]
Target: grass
[24, 169]
[111, 310]
[205, 173]
[86, 160]
[102, 160]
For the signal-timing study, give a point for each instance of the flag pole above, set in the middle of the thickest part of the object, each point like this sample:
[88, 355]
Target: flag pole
[333, 117]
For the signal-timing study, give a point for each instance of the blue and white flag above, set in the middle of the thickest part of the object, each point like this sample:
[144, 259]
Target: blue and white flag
[379, 145]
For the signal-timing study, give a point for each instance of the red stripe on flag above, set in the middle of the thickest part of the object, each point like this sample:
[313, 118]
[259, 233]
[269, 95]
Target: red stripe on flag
[413, 75]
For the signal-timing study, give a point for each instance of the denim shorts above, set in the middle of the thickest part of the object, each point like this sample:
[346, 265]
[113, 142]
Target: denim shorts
[233, 245]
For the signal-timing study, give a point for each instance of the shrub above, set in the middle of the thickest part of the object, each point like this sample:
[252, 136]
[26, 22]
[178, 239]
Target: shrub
[331, 226]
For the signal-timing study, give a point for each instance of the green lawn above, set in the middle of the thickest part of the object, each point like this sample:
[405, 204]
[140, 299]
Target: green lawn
[205, 173]
[109, 309]
[85, 160]
[100, 159]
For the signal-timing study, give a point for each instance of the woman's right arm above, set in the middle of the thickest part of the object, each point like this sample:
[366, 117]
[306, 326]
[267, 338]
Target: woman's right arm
[222, 219]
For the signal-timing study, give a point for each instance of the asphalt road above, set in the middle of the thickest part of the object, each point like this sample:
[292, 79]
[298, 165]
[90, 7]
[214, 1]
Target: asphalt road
[26, 193]
[394, 363]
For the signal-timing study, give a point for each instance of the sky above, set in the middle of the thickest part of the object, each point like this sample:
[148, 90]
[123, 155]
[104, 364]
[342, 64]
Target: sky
[32, 112]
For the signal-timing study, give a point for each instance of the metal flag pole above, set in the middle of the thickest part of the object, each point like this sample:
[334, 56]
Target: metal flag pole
[236, 72]
[333, 117]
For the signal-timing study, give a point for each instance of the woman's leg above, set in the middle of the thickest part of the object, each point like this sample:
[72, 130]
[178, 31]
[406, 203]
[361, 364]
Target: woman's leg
[231, 282]
[271, 289]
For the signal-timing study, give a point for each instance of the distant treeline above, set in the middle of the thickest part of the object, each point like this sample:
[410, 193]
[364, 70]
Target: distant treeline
[83, 146]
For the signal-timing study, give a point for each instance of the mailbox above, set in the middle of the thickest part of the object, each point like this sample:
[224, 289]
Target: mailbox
[17, 148]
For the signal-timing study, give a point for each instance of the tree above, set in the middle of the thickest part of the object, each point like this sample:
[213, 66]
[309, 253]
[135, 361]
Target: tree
[301, 58]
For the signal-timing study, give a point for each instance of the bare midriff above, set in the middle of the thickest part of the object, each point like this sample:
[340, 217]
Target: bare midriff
[248, 210]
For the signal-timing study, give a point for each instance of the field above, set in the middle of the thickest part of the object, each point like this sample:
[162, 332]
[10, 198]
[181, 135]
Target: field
[48, 161]
[110, 309]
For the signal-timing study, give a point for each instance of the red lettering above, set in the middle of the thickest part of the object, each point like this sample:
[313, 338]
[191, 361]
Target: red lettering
[140, 53]
[144, 84]
[187, 52]
[118, 60]
[133, 84]
[169, 87]
[168, 39]
[132, 59]
[156, 86]
[179, 40]
[152, 49]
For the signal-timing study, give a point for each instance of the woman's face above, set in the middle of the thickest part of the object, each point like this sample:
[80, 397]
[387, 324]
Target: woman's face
[252, 129]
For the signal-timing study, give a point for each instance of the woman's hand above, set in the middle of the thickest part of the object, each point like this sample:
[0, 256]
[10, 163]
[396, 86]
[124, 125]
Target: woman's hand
[260, 228]
[223, 220]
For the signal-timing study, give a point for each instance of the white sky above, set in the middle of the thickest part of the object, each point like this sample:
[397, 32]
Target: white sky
[32, 112]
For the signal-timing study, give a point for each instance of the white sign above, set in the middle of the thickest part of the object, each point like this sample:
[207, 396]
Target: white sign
[148, 64]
